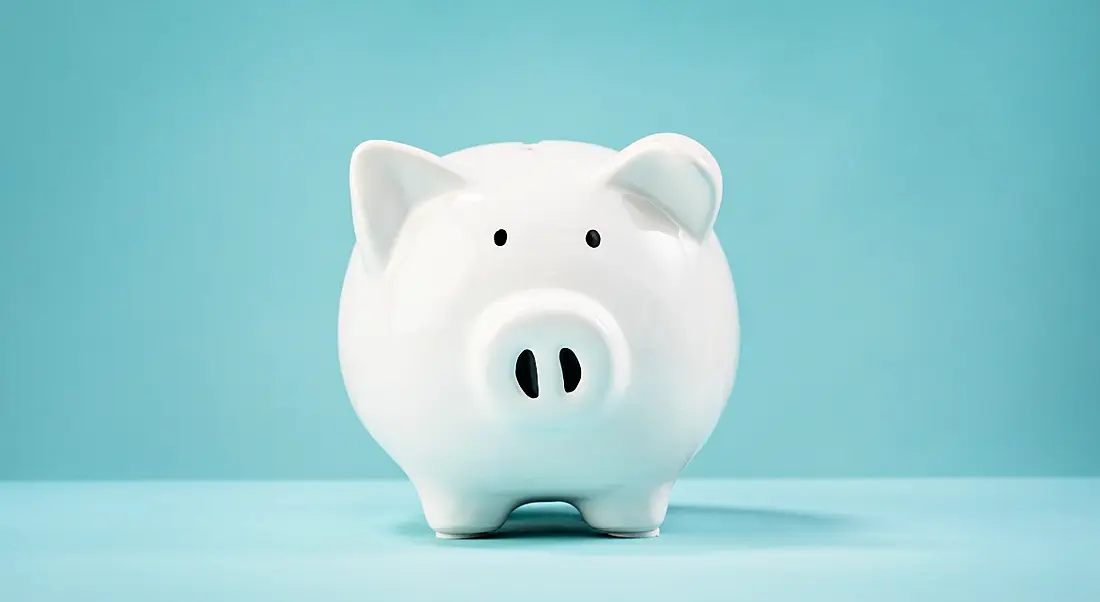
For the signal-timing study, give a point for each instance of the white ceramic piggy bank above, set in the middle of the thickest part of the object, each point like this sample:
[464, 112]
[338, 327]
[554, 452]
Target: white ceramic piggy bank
[539, 322]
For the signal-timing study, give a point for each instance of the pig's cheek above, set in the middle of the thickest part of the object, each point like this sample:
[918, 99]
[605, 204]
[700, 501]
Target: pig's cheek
[426, 279]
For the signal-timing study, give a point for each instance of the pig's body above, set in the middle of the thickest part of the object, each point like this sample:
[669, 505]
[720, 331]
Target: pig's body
[434, 320]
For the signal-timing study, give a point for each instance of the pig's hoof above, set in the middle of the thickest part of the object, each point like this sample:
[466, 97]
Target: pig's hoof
[637, 534]
[456, 515]
[636, 513]
[442, 535]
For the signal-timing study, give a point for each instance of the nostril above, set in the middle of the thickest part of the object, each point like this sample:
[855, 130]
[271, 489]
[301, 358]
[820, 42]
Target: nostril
[570, 369]
[527, 374]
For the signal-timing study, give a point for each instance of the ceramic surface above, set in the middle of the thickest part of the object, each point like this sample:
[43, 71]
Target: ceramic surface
[539, 322]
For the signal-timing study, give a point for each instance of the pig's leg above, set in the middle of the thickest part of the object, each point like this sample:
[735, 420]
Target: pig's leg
[454, 514]
[634, 512]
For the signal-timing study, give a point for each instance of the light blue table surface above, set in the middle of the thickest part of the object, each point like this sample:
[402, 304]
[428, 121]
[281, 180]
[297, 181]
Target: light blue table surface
[1033, 539]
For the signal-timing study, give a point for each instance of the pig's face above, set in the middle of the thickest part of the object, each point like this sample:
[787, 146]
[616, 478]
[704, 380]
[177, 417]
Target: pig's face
[536, 261]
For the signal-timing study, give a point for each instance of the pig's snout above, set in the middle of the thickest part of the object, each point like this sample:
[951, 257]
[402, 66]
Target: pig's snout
[527, 371]
[548, 350]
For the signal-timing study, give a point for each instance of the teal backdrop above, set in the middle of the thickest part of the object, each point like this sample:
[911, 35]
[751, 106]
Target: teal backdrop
[912, 214]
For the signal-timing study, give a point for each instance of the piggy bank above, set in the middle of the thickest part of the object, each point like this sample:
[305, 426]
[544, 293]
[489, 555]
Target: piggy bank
[538, 322]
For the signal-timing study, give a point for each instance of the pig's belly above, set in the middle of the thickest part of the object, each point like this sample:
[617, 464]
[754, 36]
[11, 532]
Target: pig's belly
[437, 431]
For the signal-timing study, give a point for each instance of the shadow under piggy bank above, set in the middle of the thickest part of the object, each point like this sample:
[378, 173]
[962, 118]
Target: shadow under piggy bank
[686, 528]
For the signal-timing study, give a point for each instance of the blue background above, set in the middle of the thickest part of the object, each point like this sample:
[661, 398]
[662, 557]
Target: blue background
[911, 217]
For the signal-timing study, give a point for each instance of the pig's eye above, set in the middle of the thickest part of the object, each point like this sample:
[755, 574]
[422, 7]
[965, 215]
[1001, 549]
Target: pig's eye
[500, 237]
[592, 238]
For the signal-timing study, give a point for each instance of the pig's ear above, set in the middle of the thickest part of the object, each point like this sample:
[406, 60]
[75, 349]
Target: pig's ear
[389, 180]
[675, 173]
